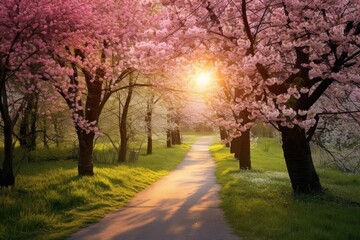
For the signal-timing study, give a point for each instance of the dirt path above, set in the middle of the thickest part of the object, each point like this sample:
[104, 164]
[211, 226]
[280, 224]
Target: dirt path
[182, 205]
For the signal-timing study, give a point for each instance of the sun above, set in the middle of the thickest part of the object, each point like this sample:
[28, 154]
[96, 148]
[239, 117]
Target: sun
[203, 79]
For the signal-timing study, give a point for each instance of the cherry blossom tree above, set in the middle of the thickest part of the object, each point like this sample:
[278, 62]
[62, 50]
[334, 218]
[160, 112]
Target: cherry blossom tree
[285, 55]
[235, 122]
[296, 51]
[28, 32]
[200, 24]
[86, 73]
[83, 58]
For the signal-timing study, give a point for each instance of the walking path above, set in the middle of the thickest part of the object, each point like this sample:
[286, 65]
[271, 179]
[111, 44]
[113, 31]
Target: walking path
[181, 206]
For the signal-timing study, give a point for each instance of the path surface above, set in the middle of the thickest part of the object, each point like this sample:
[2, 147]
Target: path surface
[181, 206]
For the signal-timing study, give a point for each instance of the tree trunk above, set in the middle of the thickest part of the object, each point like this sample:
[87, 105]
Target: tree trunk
[240, 146]
[123, 144]
[45, 133]
[297, 153]
[178, 135]
[224, 135]
[123, 123]
[174, 137]
[27, 129]
[33, 120]
[149, 145]
[168, 138]
[86, 146]
[7, 179]
[24, 129]
[149, 128]
[92, 112]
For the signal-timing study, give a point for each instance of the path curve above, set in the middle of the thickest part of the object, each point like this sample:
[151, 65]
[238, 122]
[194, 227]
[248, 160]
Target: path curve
[181, 206]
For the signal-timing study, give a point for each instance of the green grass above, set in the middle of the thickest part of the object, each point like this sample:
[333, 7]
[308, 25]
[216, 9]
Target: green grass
[50, 201]
[259, 204]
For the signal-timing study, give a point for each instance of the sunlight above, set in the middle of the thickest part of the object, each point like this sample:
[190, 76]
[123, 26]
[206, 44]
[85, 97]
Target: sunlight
[203, 79]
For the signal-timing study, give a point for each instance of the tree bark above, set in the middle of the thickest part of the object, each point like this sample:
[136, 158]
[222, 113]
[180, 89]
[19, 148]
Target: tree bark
[168, 138]
[7, 179]
[149, 145]
[33, 120]
[123, 144]
[86, 141]
[24, 128]
[297, 153]
[240, 146]
[178, 134]
[224, 135]
[149, 128]
[92, 112]
[27, 129]
[123, 123]
[44, 138]
[175, 137]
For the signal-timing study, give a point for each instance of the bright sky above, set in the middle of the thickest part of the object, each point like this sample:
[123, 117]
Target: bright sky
[203, 80]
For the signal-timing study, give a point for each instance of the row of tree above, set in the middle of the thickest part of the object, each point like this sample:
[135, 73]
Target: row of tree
[274, 61]
[46, 46]
[277, 61]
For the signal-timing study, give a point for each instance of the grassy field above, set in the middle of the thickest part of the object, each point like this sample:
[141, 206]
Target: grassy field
[50, 201]
[259, 204]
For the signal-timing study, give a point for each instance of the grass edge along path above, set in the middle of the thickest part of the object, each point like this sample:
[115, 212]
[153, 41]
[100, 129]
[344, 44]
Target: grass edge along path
[259, 204]
[51, 202]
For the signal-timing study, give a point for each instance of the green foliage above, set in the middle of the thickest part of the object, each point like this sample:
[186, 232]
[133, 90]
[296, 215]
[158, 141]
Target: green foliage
[50, 201]
[259, 203]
